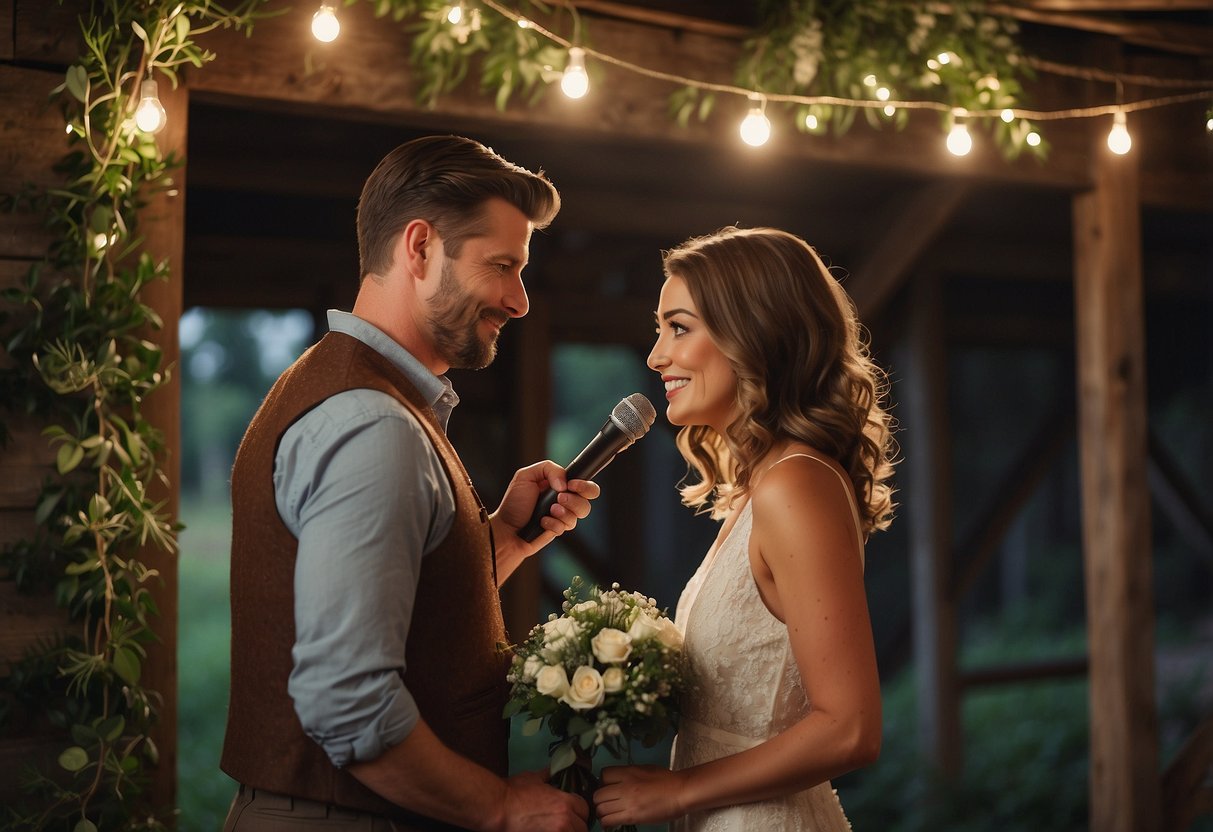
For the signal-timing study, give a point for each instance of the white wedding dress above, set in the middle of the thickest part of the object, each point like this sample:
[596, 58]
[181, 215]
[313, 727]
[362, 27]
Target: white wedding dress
[745, 687]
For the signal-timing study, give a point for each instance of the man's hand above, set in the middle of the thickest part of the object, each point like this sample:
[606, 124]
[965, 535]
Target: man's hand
[531, 805]
[519, 501]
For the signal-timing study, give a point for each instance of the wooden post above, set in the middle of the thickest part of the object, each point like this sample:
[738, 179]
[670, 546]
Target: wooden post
[162, 222]
[532, 412]
[1124, 784]
[928, 503]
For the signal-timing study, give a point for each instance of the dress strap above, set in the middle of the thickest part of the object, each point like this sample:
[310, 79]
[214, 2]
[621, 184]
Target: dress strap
[846, 486]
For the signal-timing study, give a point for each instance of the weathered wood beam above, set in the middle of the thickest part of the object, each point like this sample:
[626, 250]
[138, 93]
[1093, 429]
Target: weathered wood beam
[162, 224]
[1025, 672]
[659, 17]
[877, 279]
[1184, 38]
[1124, 787]
[923, 395]
[1186, 789]
[1115, 5]
[1178, 498]
[978, 547]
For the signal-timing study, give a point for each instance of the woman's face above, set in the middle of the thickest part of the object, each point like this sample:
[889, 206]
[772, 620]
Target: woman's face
[700, 384]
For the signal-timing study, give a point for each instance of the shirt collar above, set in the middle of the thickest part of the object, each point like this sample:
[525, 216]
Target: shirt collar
[437, 390]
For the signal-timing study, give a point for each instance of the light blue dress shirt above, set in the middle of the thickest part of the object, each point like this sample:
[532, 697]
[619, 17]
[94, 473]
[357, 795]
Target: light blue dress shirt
[357, 481]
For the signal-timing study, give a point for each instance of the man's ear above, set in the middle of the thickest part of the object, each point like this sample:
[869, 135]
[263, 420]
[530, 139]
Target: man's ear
[415, 245]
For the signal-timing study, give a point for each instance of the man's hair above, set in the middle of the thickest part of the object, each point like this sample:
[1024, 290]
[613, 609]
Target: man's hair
[444, 180]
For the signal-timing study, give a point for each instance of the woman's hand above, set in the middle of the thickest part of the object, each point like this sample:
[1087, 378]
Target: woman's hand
[639, 794]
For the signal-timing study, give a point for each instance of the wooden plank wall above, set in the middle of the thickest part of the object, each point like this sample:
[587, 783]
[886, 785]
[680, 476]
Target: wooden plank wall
[31, 142]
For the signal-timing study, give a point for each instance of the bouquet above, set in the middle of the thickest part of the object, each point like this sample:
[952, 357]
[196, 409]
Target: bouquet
[606, 672]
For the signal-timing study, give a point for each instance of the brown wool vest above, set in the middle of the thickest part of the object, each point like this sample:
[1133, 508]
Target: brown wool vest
[455, 671]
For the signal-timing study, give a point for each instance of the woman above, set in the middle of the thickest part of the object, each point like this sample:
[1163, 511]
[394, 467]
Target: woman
[766, 371]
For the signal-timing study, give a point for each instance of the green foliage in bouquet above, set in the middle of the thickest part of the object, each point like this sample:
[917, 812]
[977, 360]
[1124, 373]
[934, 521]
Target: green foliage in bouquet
[608, 671]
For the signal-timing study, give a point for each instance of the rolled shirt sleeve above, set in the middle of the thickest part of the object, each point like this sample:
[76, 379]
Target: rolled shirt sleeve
[360, 486]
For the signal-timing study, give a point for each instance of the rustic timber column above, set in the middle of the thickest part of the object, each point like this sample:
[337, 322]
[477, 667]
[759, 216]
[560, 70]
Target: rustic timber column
[928, 501]
[1115, 499]
[162, 223]
[520, 596]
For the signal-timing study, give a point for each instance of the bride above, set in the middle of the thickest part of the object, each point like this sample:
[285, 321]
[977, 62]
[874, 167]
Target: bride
[780, 407]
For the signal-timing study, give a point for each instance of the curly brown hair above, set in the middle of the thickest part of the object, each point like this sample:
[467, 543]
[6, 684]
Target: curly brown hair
[803, 368]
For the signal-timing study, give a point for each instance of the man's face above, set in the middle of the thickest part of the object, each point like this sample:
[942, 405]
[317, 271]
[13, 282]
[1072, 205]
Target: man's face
[481, 289]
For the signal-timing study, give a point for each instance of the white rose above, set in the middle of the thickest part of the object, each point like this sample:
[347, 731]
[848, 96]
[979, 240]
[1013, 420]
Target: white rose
[586, 690]
[669, 634]
[611, 646]
[644, 627]
[557, 634]
[613, 680]
[532, 667]
[585, 606]
[552, 681]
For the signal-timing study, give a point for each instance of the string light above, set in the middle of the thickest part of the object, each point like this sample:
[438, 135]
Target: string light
[454, 15]
[1119, 140]
[150, 116]
[523, 23]
[325, 25]
[1033, 139]
[1007, 116]
[756, 127]
[890, 110]
[810, 121]
[575, 82]
[959, 141]
[1209, 125]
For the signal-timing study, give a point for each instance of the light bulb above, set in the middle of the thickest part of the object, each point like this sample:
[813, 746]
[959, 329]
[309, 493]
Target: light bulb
[455, 14]
[944, 57]
[883, 93]
[575, 83]
[149, 115]
[890, 110]
[1209, 125]
[810, 121]
[1007, 116]
[1033, 139]
[755, 128]
[1119, 140]
[869, 80]
[959, 140]
[523, 23]
[325, 25]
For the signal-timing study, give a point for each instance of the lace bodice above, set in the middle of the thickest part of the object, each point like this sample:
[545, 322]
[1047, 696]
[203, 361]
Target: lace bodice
[745, 688]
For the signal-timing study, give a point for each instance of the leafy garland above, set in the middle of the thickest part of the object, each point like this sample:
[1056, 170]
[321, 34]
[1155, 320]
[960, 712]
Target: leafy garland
[81, 362]
[840, 48]
[76, 331]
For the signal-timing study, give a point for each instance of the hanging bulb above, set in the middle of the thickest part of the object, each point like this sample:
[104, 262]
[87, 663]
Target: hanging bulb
[1209, 125]
[149, 115]
[810, 121]
[325, 25]
[1119, 140]
[575, 83]
[755, 127]
[959, 140]
[890, 110]
[455, 14]
[1007, 116]
[1033, 139]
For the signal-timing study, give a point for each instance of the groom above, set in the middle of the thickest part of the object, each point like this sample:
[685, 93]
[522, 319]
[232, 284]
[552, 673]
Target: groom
[367, 685]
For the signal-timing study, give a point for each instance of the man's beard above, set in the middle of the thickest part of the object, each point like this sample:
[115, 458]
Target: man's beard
[455, 322]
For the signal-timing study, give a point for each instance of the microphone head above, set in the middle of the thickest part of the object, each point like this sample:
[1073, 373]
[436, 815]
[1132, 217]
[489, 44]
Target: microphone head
[634, 416]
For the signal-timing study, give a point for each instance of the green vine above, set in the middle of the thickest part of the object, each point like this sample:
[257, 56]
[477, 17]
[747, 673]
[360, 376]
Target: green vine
[853, 50]
[82, 362]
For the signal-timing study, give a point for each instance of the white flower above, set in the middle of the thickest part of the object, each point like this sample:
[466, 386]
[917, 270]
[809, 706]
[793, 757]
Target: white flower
[669, 634]
[644, 627]
[611, 646]
[613, 680]
[585, 606]
[586, 690]
[557, 634]
[552, 680]
[532, 667]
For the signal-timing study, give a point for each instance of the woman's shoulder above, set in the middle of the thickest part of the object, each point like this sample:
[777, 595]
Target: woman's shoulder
[798, 477]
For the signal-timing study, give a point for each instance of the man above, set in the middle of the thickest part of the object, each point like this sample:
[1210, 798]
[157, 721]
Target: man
[367, 684]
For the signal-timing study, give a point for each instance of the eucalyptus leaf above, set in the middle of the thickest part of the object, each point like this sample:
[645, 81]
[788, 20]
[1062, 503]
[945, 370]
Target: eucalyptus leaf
[531, 727]
[73, 759]
[77, 82]
[563, 757]
[127, 665]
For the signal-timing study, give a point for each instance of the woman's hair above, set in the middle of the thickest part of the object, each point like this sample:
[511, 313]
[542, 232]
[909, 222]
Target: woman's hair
[791, 334]
[446, 181]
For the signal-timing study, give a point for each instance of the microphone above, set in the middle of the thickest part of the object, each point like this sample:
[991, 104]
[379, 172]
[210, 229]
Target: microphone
[630, 420]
